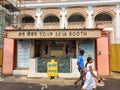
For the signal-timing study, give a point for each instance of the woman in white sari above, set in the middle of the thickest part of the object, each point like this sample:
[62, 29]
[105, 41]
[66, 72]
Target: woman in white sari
[89, 83]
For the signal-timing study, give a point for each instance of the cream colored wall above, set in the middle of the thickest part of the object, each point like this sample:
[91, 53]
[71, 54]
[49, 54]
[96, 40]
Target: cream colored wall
[82, 11]
[72, 10]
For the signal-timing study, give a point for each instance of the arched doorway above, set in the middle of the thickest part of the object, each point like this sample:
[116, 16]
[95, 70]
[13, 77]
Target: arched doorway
[103, 19]
[76, 21]
[51, 22]
[27, 22]
[27, 19]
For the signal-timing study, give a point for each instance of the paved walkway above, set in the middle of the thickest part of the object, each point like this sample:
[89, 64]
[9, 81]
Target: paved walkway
[59, 81]
[115, 75]
[23, 83]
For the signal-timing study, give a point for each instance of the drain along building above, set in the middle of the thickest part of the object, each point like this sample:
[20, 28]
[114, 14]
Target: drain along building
[58, 30]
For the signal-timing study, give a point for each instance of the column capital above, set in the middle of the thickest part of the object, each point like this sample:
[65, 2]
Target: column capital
[117, 7]
[63, 10]
[38, 11]
[89, 9]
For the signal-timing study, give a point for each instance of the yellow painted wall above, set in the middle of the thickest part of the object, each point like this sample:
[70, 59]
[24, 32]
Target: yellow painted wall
[115, 57]
[0, 56]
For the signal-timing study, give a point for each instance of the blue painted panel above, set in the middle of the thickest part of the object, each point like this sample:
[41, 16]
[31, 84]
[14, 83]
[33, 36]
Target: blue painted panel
[23, 53]
[89, 47]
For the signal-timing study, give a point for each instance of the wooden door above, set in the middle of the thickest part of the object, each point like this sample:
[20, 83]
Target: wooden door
[103, 56]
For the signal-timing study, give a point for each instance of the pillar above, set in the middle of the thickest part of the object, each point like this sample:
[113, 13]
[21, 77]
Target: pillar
[38, 20]
[117, 24]
[15, 18]
[77, 48]
[89, 11]
[63, 20]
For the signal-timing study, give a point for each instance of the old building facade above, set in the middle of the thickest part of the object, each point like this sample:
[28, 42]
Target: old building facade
[58, 30]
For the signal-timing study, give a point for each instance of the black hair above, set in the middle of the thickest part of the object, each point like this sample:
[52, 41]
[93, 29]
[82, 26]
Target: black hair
[88, 59]
[82, 51]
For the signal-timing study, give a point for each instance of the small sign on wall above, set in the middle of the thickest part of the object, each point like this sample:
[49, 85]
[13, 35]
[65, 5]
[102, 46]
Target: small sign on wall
[57, 53]
[52, 68]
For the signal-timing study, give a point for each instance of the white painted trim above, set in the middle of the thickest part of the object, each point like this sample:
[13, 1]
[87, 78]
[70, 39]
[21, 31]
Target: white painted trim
[108, 29]
[60, 75]
[20, 72]
[64, 4]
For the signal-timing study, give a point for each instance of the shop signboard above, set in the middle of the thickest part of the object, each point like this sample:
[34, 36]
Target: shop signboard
[52, 68]
[44, 34]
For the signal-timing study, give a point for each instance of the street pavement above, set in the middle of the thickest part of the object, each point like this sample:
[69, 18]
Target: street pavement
[23, 83]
